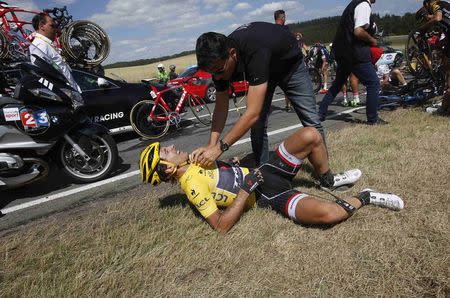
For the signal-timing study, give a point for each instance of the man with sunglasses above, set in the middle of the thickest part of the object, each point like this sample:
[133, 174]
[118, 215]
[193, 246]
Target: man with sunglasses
[268, 55]
[43, 44]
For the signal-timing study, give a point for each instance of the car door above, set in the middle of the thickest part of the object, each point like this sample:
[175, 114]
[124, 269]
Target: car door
[107, 103]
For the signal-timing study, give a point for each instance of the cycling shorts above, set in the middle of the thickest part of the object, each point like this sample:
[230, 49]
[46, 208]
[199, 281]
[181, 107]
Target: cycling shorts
[277, 192]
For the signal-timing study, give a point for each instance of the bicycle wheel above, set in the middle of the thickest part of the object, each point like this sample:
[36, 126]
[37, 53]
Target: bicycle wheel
[200, 109]
[3, 45]
[415, 56]
[144, 125]
[316, 79]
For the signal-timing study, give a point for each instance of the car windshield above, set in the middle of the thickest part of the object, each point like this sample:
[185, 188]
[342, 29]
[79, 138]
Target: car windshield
[188, 72]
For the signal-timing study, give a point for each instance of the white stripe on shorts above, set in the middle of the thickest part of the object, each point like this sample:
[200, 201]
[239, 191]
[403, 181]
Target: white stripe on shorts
[293, 205]
[291, 158]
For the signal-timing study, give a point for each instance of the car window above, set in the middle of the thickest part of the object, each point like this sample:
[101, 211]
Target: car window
[188, 72]
[88, 81]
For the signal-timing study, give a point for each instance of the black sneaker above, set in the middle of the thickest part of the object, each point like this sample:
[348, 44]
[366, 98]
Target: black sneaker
[321, 118]
[378, 122]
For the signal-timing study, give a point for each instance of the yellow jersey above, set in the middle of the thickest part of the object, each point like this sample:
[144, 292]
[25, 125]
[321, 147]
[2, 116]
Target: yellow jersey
[209, 189]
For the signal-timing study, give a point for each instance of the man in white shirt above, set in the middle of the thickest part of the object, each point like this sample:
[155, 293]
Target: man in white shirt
[351, 47]
[43, 44]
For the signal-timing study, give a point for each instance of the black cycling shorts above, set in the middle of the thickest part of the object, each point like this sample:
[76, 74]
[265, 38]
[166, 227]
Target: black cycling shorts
[277, 192]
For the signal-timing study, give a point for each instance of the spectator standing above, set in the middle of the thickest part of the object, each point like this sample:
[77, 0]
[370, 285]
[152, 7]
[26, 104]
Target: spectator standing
[351, 48]
[172, 73]
[269, 56]
[44, 47]
[163, 76]
[280, 19]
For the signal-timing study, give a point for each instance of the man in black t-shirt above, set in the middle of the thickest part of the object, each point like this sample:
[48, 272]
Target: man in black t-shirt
[269, 56]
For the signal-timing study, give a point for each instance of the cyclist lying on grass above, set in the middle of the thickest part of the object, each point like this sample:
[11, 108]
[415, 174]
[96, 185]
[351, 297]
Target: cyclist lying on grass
[236, 189]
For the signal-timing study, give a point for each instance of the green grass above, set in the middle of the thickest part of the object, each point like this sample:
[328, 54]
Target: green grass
[148, 242]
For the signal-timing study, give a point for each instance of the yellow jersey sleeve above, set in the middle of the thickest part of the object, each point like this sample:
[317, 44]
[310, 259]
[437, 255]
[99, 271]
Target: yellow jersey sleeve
[196, 187]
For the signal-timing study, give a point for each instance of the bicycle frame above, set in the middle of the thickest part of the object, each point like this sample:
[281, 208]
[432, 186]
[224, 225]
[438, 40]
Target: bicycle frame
[157, 96]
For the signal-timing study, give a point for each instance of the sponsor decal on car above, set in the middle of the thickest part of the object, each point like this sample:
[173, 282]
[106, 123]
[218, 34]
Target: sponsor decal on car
[11, 114]
[107, 117]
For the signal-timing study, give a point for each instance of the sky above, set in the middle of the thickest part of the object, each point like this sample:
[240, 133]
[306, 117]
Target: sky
[142, 29]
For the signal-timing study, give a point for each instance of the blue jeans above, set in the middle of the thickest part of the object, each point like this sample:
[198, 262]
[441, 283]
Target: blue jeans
[367, 75]
[299, 90]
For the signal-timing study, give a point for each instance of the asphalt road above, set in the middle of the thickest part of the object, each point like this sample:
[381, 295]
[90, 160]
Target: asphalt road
[57, 193]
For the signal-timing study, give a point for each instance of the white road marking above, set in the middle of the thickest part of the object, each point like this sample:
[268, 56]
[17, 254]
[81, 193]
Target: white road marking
[136, 172]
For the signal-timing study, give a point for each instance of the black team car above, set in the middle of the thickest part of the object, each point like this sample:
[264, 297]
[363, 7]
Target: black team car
[108, 101]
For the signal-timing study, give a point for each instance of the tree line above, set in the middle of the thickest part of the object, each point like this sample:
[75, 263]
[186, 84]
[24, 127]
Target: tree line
[318, 30]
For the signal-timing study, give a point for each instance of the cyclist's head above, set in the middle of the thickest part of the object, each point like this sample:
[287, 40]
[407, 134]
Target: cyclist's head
[45, 25]
[429, 2]
[298, 35]
[279, 16]
[158, 163]
[172, 67]
[160, 67]
[216, 55]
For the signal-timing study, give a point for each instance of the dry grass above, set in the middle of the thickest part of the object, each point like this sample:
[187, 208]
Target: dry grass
[147, 242]
[137, 73]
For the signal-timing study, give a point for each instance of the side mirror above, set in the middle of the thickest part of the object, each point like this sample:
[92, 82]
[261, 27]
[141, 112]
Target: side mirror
[102, 83]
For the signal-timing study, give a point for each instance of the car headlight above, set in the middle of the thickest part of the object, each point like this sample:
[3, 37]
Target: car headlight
[45, 93]
[75, 96]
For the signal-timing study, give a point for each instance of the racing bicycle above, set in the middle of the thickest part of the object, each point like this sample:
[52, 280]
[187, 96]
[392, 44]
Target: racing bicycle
[151, 119]
[83, 43]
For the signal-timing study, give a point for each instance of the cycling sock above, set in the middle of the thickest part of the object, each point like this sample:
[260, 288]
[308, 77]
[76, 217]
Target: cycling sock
[345, 95]
[364, 197]
[356, 96]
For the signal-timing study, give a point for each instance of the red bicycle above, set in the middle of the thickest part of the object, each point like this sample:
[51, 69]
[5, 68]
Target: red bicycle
[152, 118]
[83, 43]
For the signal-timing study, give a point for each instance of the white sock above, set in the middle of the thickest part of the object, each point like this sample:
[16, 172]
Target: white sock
[325, 86]
[356, 96]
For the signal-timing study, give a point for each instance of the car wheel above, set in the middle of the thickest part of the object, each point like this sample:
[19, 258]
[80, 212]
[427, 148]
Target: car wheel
[210, 94]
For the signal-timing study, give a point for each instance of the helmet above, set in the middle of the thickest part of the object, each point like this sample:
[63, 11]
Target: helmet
[172, 67]
[160, 65]
[148, 164]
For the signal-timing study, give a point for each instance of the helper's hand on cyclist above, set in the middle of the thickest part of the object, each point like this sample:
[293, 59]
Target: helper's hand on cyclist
[252, 180]
[206, 156]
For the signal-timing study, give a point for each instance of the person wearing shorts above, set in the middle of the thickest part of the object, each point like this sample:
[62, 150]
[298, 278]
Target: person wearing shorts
[222, 193]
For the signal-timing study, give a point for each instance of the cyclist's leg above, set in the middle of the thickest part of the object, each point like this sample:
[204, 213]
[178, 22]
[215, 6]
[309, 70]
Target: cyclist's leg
[300, 92]
[366, 73]
[342, 74]
[325, 73]
[258, 132]
[446, 96]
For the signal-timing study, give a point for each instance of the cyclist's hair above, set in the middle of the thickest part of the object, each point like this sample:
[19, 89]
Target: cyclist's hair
[210, 47]
[278, 13]
[39, 19]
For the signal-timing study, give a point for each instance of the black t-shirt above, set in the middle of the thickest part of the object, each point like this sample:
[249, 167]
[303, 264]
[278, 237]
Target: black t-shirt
[265, 52]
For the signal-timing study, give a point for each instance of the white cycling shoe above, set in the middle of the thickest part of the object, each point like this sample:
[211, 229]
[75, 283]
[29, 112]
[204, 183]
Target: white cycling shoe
[349, 177]
[385, 200]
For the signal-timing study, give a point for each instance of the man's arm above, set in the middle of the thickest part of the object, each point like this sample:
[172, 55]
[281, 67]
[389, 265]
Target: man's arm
[219, 118]
[255, 100]
[432, 19]
[363, 35]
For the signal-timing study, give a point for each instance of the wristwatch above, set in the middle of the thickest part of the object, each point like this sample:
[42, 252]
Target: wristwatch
[224, 146]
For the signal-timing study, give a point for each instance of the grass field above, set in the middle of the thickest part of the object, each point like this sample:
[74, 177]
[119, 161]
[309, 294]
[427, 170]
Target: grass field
[137, 73]
[397, 42]
[139, 244]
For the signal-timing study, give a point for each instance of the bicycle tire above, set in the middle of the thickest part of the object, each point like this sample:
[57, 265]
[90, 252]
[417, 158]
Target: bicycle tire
[412, 55]
[3, 46]
[84, 42]
[198, 105]
[316, 79]
[148, 129]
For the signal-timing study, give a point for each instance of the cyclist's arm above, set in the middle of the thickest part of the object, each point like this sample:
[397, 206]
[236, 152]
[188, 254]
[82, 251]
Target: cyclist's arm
[223, 221]
[432, 19]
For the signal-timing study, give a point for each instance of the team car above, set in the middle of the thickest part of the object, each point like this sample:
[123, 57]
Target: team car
[107, 101]
[204, 85]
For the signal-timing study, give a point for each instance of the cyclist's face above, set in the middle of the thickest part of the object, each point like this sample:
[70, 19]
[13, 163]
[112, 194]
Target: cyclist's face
[171, 154]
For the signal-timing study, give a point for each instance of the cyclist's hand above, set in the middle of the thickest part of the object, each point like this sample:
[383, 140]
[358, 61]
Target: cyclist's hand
[206, 156]
[252, 180]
